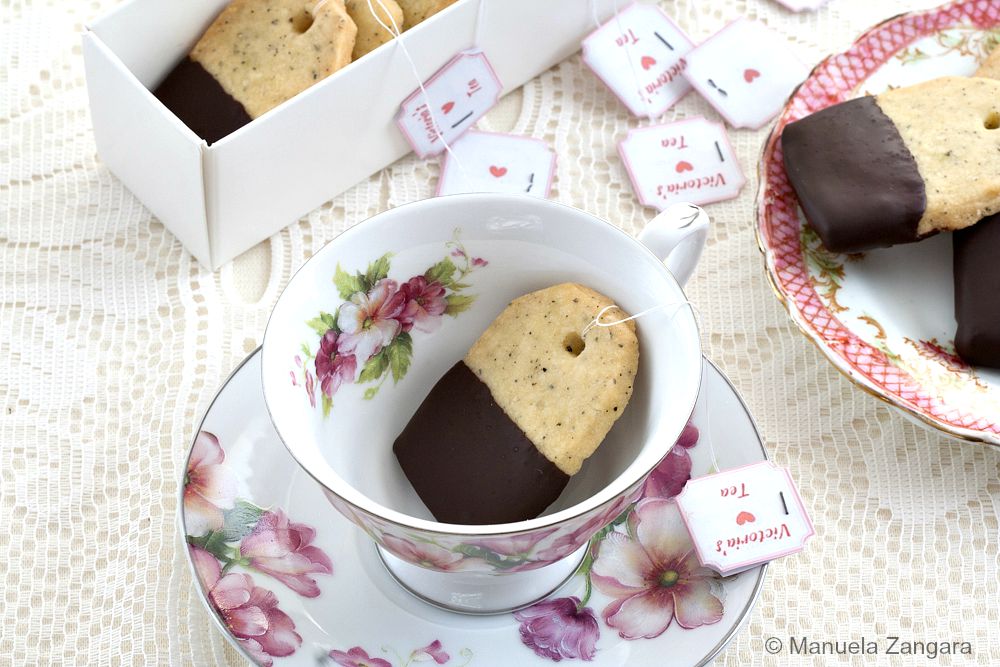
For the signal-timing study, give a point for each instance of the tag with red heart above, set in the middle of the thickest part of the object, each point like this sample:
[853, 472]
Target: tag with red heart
[639, 54]
[686, 161]
[490, 162]
[743, 517]
[457, 96]
[746, 71]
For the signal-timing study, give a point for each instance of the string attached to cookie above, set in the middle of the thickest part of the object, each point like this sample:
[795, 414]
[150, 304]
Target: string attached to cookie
[596, 322]
[397, 33]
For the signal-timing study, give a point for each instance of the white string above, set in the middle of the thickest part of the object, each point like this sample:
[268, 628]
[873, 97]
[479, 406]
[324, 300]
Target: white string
[596, 322]
[396, 33]
[593, 13]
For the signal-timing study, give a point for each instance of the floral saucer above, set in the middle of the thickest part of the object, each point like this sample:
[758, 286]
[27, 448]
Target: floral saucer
[289, 581]
[885, 318]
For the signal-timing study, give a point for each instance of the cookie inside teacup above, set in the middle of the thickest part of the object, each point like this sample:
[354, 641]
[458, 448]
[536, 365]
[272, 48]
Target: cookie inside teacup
[536, 395]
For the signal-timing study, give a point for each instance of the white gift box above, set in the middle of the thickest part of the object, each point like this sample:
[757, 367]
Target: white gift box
[222, 199]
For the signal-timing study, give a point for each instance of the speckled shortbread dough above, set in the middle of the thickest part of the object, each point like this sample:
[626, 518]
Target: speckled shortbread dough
[565, 403]
[990, 68]
[263, 52]
[371, 34]
[417, 11]
[951, 126]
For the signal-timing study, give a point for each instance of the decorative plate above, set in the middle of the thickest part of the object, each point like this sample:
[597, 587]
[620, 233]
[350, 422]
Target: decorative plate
[289, 581]
[885, 318]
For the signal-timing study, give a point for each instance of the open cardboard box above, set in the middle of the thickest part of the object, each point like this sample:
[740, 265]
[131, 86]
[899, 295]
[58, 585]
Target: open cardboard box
[222, 199]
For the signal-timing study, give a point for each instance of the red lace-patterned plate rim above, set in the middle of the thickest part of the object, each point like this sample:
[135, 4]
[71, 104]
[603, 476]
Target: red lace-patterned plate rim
[778, 225]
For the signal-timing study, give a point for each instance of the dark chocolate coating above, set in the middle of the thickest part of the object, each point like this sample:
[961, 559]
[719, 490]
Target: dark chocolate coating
[200, 102]
[977, 292]
[469, 462]
[856, 180]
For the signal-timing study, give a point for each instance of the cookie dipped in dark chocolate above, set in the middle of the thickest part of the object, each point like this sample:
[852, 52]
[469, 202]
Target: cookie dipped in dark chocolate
[200, 102]
[856, 180]
[469, 462]
[977, 292]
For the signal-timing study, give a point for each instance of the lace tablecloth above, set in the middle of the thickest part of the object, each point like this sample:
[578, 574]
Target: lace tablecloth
[113, 340]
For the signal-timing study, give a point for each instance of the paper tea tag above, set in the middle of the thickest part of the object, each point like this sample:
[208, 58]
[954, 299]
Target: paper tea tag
[686, 161]
[639, 55]
[490, 162]
[746, 71]
[802, 5]
[743, 517]
[460, 93]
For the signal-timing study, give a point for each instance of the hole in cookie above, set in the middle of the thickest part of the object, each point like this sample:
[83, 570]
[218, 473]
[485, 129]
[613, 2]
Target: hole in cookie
[992, 121]
[574, 344]
[301, 21]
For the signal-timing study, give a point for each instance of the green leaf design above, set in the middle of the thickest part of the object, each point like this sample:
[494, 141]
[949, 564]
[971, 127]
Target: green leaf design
[370, 392]
[378, 270]
[347, 284]
[214, 543]
[400, 353]
[240, 520]
[458, 303]
[375, 367]
[327, 405]
[441, 272]
[318, 325]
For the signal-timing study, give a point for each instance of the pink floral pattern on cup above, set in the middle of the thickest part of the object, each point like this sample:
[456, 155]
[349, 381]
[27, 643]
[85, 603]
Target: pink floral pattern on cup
[368, 338]
[644, 562]
[225, 532]
[529, 550]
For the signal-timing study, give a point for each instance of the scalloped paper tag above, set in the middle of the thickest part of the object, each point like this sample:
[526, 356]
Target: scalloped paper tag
[686, 161]
[492, 162]
[458, 95]
[639, 55]
[743, 517]
[746, 71]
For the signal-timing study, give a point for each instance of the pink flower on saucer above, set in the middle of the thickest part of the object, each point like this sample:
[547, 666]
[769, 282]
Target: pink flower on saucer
[557, 629]
[209, 487]
[656, 577]
[251, 613]
[425, 304]
[333, 368]
[369, 320]
[284, 550]
[422, 553]
[673, 472]
[357, 657]
[432, 651]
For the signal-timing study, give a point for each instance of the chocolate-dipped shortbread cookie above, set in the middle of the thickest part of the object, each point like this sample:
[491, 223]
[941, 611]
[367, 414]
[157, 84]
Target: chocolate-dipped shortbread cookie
[977, 293]
[254, 56]
[499, 435]
[894, 168]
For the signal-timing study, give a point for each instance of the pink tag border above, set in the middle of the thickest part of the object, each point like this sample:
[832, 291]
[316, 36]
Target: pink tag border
[670, 20]
[706, 94]
[631, 174]
[473, 53]
[748, 563]
[446, 160]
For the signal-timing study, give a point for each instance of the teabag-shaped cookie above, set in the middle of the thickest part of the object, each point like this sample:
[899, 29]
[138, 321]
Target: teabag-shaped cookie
[418, 11]
[977, 277]
[499, 435]
[977, 292]
[254, 56]
[876, 171]
[371, 33]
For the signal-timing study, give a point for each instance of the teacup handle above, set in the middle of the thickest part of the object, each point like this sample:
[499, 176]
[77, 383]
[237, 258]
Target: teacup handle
[677, 236]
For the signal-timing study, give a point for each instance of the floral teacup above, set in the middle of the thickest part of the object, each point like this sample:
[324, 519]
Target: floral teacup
[369, 324]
